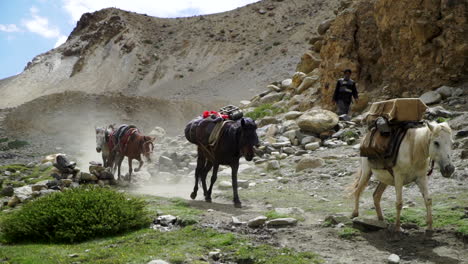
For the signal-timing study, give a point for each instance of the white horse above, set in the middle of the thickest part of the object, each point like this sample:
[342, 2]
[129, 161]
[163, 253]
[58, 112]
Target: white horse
[102, 137]
[419, 147]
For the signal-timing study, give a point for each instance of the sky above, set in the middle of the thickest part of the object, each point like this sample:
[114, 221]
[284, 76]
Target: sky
[31, 27]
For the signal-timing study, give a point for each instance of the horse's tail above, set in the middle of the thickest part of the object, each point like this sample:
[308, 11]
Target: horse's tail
[360, 181]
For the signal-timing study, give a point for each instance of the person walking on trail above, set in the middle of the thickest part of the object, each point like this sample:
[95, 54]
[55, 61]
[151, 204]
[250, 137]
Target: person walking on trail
[344, 92]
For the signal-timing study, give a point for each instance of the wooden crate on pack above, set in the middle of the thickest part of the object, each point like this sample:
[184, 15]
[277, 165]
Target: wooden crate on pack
[397, 110]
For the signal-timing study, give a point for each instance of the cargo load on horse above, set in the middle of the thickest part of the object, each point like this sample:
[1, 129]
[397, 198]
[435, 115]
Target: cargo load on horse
[387, 123]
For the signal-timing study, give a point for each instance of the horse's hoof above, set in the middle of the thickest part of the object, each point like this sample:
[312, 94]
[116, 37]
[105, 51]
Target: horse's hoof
[208, 200]
[353, 215]
[238, 205]
[193, 195]
[136, 170]
[429, 232]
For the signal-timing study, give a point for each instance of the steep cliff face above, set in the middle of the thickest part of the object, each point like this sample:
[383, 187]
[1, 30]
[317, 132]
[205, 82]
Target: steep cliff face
[223, 57]
[397, 48]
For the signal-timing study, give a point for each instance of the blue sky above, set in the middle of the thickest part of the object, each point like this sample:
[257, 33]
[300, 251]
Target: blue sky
[31, 27]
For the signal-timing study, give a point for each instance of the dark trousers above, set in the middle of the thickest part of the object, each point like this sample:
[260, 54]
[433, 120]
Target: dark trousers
[343, 106]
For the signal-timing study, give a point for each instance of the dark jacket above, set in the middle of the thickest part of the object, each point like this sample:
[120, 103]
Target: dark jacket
[345, 90]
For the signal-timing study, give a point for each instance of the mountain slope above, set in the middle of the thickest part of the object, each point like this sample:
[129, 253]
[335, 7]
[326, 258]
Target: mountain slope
[218, 58]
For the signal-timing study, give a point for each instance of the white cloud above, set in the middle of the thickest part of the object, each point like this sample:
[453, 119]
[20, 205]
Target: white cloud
[61, 39]
[9, 28]
[159, 8]
[40, 25]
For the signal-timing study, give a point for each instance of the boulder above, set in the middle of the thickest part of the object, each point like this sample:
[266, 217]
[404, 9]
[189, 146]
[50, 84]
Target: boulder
[297, 79]
[96, 170]
[257, 221]
[431, 97]
[292, 115]
[308, 63]
[336, 219]
[166, 220]
[271, 98]
[317, 121]
[309, 139]
[307, 83]
[324, 26]
[280, 222]
[308, 162]
[286, 83]
[45, 165]
[445, 91]
[273, 165]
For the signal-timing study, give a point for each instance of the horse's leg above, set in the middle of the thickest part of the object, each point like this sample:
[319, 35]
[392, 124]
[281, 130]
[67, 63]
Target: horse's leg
[377, 196]
[206, 169]
[213, 180]
[130, 169]
[399, 200]
[422, 184]
[140, 164]
[198, 171]
[119, 163]
[363, 175]
[234, 168]
[104, 159]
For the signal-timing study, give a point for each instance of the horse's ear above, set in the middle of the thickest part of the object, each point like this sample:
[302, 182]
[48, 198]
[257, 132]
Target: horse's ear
[431, 126]
[243, 122]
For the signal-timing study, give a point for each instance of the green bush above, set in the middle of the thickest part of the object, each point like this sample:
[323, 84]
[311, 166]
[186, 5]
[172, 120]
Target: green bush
[264, 110]
[75, 215]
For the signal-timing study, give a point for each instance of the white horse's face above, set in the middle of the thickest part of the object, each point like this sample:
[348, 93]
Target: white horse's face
[100, 138]
[440, 149]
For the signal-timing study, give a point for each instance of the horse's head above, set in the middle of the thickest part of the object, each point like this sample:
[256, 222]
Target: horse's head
[440, 148]
[248, 138]
[100, 138]
[147, 146]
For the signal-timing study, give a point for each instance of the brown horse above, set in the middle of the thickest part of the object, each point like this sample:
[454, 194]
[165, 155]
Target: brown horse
[136, 145]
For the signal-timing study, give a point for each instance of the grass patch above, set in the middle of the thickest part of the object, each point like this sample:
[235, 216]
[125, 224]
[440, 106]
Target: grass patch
[3, 140]
[443, 217]
[264, 110]
[186, 245]
[442, 119]
[275, 215]
[16, 144]
[348, 233]
[175, 206]
[74, 215]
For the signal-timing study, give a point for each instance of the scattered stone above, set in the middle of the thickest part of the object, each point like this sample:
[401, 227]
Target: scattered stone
[273, 165]
[312, 146]
[309, 163]
[297, 79]
[292, 115]
[73, 255]
[336, 219]
[267, 121]
[243, 183]
[257, 221]
[279, 222]
[166, 220]
[365, 224]
[236, 221]
[84, 176]
[393, 259]
[271, 98]
[214, 255]
[286, 83]
[38, 187]
[324, 26]
[273, 88]
[307, 83]
[7, 191]
[464, 154]
[431, 97]
[462, 133]
[308, 63]
[158, 133]
[158, 261]
[45, 165]
[445, 91]
[14, 201]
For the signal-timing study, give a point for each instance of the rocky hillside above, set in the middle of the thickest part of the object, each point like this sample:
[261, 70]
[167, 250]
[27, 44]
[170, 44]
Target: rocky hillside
[223, 57]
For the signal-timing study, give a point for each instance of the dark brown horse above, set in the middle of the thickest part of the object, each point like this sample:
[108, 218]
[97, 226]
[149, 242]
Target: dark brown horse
[236, 139]
[132, 148]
